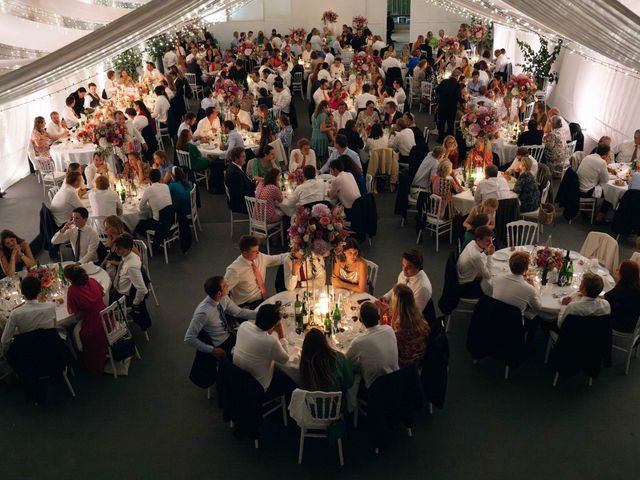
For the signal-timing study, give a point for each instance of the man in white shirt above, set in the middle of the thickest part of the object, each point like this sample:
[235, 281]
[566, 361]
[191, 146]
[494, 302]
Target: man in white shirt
[311, 190]
[403, 141]
[66, 199]
[281, 97]
[214, 317]
[256, 83]
[474, 264]
[240, 118]
[189, 121]
[324, 74]
[209, 126]
[55, 127]
[84, 239]
[344, 187]
[414, 277]
[625, 152]
[328, 56]
[285, 74]
[514, 167]
[390, 62]
[337, 69]
[587, 301]
[373, 353]
[514, 289]
[162, 106]
[169, 59]
[246, 275]
[362, 99]
[482, 98]
[138, 121]
[321, 93]
[501, 62]
[31, 315]
[342, 116]
[340, 150]
[492, 186]
[427, 168]
[399, 96]
[593, 175]
[98, 167]
[306, 54]
[69, 115]
[156, 196]
[257, 351]
[299, 273]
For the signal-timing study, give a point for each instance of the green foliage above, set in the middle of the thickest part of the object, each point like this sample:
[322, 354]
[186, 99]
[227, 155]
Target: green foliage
[540, 63]
[129, 60]
[157, 46]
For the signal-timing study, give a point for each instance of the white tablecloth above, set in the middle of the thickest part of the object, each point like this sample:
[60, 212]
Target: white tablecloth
[505, 150]
[131, 213]
[65, 153]
[64, 319]
[251, 140]
[464, 202]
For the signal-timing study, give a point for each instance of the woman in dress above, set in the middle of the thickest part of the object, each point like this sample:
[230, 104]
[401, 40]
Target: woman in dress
[624, 298]
[257, 168]
[451, 150]
[322, 368]
[265, 119]
[376, 139]
[136, 168]
[381, 89]
[480, 155]
[479, 220]
[185, 144]
[489, 207]
[15, 253]
[350, 268]
[321, 133]
[367, 118]
[286, 132]
[337, 96]
[526, 186]
[302, 156]
[180, 189]
[85, 300]
[40, 139]
[465, 68]
[269, 191]
[444, 185]
[411, 328]
[555, 144]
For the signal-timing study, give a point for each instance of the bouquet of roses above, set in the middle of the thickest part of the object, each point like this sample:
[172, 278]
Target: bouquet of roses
[85, 135]
[298, 33]
[247, 48]
[227, 91]
[480, 122]
[43, 274]
[550, 258]
[479, 31]
[329, 16]
[361, 62]
[359, 22]
[297, 177]
[318, 230]
[521, 84]
[110, 132]
[449, 45]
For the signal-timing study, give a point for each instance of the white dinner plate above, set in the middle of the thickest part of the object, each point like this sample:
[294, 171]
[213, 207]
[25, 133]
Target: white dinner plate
[90, 268]
[599, 270]
[501, 255]
[574, 255]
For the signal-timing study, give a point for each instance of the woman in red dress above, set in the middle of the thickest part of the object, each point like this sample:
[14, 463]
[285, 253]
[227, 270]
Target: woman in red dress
[85, 299]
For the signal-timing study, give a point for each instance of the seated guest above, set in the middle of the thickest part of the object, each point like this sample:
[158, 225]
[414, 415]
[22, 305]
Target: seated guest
[152, 74]
[286, 132]
[586, 301]
[269, 191]
[136, 168]
[15, 253]
[68, 114]
[451, 150]
[480, 155]
[40, 139]
[624, 298]
[56, 128]
[302, 156]
[427, 169]
[92, 99]
[515, 167]
[323, 369]
[414, 277]
[350, 268]
[240, 118]
[234, 139]
[527, 187]
[188, 123]
[310, 191]
[373, 353]
[157, 197]
[342, 148]
[113, 228]
[246, 275]
[212, 319]
[409, 325]
[492, 186]
[257, 351]
[532, 136]
[403, 141]
[478, 220]
[555, 143]
[445, 186]
[351, 167]
[391, 115]
[341, 116]
[84, 239]
[281, 97]
[474, 264]
[97, 168]
[237, 181]
[29, 316]
[354, 140]
[104, 202]
[515, 288]
[258, 167]
[628, 151]
[180, 190]
[138, 120]
[85, 300]
[368, 117]
[593, 176]
[489, 207]
[473, 85]
[66, 199]
[185, 144]
[130, 282]
[344, 187]
[297, 272]
[375, 139]
[418, 135]
[163, 165]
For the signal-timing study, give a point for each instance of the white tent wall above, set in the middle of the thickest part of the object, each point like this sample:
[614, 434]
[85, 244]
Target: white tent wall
[427, 17]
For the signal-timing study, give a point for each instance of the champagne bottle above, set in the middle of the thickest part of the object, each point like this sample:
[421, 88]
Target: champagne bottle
[337, 317]
[569, 269]
[60, 272]
[327, 325]
[305, 315]
[299, 319]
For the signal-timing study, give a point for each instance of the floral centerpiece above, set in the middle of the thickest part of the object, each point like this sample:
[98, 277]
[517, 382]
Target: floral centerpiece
[298, 33]
[247, 48]
[106, 134]
[318, 230]
[450, 45]
[549, 258]
[480, 122]
[329, 17]
[47, 278]
[522, 85]
[227, 91]
[479, 31]
[297, 177]
[359, 22]
[361, 62]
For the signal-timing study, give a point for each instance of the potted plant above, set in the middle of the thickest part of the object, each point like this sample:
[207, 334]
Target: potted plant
[540, 63]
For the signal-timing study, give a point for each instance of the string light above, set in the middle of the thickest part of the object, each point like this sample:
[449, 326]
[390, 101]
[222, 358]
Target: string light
[9, 51]
[113, 4]
[38, 15]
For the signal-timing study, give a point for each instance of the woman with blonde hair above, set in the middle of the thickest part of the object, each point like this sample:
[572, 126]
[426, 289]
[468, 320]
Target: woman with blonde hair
[113, 228]
[488, 207]
[40, 139]
[411, 328]
[480, 155]
[444, 185]
[451, 150]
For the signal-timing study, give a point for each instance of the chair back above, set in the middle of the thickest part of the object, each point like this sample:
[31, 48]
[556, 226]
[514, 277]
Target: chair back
[528, 111]
[434, 209]
[603, 247]
[144, 255]
[257, 210]
[576, 159]
[193, 201]
[296, 81]
[369, 181]
[184, 160]
[521, 233]
[323, 407]
[191, 78]
[571, 148]
[425, 89]
[52, 192]
[536, 151]
[281, 154]
[114, 320]
[545, 193]
[372, 274]
[45, 165]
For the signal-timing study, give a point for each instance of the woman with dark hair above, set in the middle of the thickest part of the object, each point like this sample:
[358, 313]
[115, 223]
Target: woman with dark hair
[266, 136]
[367, 118]
[350, 268]
[286, 132]
[141, 109]
[351, 167]
[322, 368]
[85, 299]
[624, 298]
[185, 144]
[180, 189]
[269, 191]
[15, 253]
[410, 326]
[161, 107]
[257, 168]
[321, 131]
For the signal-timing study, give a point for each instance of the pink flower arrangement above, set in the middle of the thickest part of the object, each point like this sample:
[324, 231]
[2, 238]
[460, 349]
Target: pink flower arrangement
[297, 177]
[521, 84]
[479, 31]
[247, 48]
[318, 230]
[44, 274]
[298, 33]
[329, 16]
[361, 62]
[480, 122]
[550, 258]
[99, 132]
[227, 91]
[449, 45]
[359, 22]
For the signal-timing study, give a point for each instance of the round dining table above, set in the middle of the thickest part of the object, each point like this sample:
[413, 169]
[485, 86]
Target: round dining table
[616, 187]
[465, 201]
[67, 152]
[212, 148]
[131, 211]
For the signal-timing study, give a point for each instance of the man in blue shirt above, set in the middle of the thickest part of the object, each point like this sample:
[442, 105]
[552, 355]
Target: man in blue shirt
[341, 149]
[234, 139]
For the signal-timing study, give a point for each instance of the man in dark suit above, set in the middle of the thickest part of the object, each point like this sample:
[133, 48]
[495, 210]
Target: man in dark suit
[194, 67]
[238, 73]
[417, 133]
[532, 136]
[237, 181]
[391, 114]
[354, 140]
[449, 95]
[357, 41]
[79, 95]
